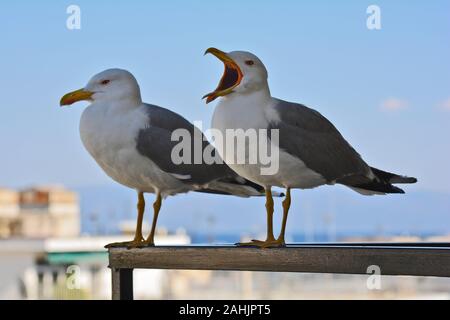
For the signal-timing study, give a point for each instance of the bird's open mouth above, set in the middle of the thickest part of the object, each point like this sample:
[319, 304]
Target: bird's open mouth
[231, 77]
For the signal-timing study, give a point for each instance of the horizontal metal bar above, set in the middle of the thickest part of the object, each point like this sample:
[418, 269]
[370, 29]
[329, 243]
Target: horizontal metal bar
[379, 244]
[397, 259]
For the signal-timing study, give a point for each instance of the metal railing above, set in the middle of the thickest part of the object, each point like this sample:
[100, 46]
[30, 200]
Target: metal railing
[409, 259]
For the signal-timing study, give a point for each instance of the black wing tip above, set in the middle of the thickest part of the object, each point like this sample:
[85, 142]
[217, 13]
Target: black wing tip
[396, 190]
[392, 177]
[410, 180]
[212, 191]
[379, 188]
[403, 180]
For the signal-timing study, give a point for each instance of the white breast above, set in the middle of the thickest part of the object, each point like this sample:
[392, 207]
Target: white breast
[250, 112]
[108, 133]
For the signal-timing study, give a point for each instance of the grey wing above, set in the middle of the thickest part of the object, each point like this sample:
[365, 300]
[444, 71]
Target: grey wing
[166, 119]
[154, 141]
[309, 136]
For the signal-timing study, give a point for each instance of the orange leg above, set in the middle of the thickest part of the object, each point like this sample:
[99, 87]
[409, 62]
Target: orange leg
[150, 242]
[269, 238]
[138, 238]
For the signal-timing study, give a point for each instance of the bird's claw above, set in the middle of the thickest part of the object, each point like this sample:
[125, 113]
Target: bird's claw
[274, 244]
[252, 243]
[270, 243]
[148, 244]
[136, 243]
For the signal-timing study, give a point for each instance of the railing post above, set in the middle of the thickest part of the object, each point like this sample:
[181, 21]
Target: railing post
[122, 284]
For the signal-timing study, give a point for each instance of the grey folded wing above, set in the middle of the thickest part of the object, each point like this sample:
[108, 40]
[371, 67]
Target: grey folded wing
[155, 142]
[309, 136]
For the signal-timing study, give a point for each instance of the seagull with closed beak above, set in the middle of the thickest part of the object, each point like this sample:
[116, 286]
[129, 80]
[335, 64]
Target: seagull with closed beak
[311, 150]
[132, 142]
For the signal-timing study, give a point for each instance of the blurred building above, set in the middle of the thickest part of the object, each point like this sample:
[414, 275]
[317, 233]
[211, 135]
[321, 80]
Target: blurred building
[42, 256]
[9, 212]
[72, 268]
[39, 212]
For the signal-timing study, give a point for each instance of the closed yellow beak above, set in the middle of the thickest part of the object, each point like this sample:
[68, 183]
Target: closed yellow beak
[75, 96]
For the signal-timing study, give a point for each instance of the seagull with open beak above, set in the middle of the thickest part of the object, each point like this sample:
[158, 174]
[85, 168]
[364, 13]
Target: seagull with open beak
[311, 150]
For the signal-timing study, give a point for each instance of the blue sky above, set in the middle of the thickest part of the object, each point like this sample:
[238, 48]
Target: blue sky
[387, 91]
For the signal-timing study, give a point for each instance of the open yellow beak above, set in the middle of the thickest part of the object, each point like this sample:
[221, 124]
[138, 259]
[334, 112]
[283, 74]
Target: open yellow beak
[231, 77]
[75, 96]
[223, 56]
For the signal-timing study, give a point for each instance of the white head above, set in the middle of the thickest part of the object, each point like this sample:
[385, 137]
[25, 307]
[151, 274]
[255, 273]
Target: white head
[244, 73]
[111, 85]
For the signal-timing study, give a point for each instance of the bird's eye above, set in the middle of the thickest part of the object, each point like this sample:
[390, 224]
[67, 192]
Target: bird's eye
[249, 62]
[105, 82]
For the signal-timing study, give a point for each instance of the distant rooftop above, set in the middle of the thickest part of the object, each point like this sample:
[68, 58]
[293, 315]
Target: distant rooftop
[39, 212]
